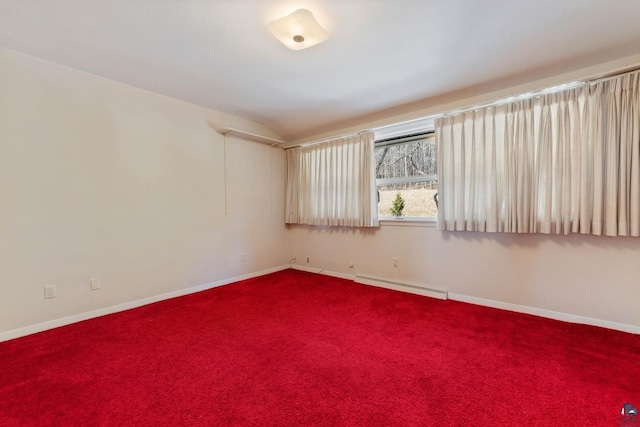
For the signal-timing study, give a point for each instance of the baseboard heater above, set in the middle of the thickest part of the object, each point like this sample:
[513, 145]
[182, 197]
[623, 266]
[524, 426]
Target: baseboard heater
[399, 286]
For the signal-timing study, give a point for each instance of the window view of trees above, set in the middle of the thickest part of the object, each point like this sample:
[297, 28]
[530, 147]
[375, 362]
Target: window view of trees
[408, 168]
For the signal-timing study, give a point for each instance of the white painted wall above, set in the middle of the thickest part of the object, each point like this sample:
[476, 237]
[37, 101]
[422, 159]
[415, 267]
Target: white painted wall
[100, 179]
[582, 276]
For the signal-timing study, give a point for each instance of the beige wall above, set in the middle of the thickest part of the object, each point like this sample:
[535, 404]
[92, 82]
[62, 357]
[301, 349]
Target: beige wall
[587, 278]
[99, 179]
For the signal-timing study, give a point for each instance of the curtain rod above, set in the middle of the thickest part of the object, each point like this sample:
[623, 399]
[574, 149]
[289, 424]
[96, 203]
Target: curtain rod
[333, 138]
[526, 95]
[545, 91]
[613, 76]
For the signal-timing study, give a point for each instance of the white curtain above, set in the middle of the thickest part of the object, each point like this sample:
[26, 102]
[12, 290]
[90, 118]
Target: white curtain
[567, 162]
[332, 183]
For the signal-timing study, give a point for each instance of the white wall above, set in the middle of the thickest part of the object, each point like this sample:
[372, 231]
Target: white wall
[586, 276]
[99, 179]
[597, 278]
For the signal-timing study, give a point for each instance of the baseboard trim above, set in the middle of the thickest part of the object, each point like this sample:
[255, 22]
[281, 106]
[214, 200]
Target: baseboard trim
[411, 288]
[550, 314]
[323, 271]
[556, 315]
[40, 327]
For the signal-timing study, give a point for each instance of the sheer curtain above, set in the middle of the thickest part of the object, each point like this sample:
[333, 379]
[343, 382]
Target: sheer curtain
[332, 183]
[567, 162]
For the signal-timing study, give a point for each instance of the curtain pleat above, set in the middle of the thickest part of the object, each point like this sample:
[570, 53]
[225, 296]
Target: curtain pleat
[332, 183]
[560, 163]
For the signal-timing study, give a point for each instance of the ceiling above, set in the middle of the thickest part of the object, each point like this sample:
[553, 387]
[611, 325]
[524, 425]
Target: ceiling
[382, 56]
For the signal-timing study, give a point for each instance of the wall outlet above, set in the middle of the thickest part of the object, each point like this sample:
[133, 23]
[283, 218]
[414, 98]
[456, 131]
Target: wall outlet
[351, 264]
[243, 257]
[49, 291]
[395, 262]
[95, 284]
[308, 260]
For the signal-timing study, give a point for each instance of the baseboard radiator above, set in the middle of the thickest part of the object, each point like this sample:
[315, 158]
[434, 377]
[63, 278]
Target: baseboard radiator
[399, 286]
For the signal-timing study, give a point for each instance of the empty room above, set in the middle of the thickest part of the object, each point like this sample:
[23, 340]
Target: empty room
[319, 213]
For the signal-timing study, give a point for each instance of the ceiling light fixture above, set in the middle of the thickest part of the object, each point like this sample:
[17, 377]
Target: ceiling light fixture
[298, 30]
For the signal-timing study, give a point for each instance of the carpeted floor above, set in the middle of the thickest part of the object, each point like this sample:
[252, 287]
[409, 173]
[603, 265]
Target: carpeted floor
[298, 349]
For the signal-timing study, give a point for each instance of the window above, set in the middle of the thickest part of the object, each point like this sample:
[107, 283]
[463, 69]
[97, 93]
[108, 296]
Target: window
[407, 165]
[330, 183]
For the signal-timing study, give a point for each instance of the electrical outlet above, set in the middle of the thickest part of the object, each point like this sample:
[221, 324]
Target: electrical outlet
[50, 291]
[243, 257]
[351, 264]
[395, 262]
[308, 260]
[95, 284]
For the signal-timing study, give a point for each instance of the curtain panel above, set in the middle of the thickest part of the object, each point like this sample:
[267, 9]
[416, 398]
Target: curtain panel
[332, 183]
[560, 163]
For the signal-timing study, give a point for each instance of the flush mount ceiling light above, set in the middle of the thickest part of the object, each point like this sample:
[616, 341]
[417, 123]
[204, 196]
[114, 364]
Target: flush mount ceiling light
[299, 30]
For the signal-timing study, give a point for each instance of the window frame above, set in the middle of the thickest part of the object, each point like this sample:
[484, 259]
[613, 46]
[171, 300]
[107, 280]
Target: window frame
[398, 140]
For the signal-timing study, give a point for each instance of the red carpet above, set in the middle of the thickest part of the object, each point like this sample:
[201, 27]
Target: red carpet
[296, 349]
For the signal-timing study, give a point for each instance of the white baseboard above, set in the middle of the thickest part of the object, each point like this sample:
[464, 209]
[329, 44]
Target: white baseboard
[32, 329]
[28, 330]
[411, 288]
[323, 271]
[556, 315]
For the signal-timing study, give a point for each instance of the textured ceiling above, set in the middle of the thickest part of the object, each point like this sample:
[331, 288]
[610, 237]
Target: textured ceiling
[382, 55]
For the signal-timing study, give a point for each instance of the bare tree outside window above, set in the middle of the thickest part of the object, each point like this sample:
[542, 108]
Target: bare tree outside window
[408, 168]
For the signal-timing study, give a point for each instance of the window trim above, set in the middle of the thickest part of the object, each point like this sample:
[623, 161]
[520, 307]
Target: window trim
[420, 221]
[431, 133]
[419, 178]
[409, 221]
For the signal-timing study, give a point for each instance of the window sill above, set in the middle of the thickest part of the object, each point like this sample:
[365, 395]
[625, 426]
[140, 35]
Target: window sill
[386, 221]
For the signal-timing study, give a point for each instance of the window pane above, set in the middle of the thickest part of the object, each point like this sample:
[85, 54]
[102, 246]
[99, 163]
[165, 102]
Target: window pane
[415, 158]
[408, 168]
[418, 198]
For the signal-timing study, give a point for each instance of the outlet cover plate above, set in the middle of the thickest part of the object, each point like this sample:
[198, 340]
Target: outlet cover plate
[50, 291]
